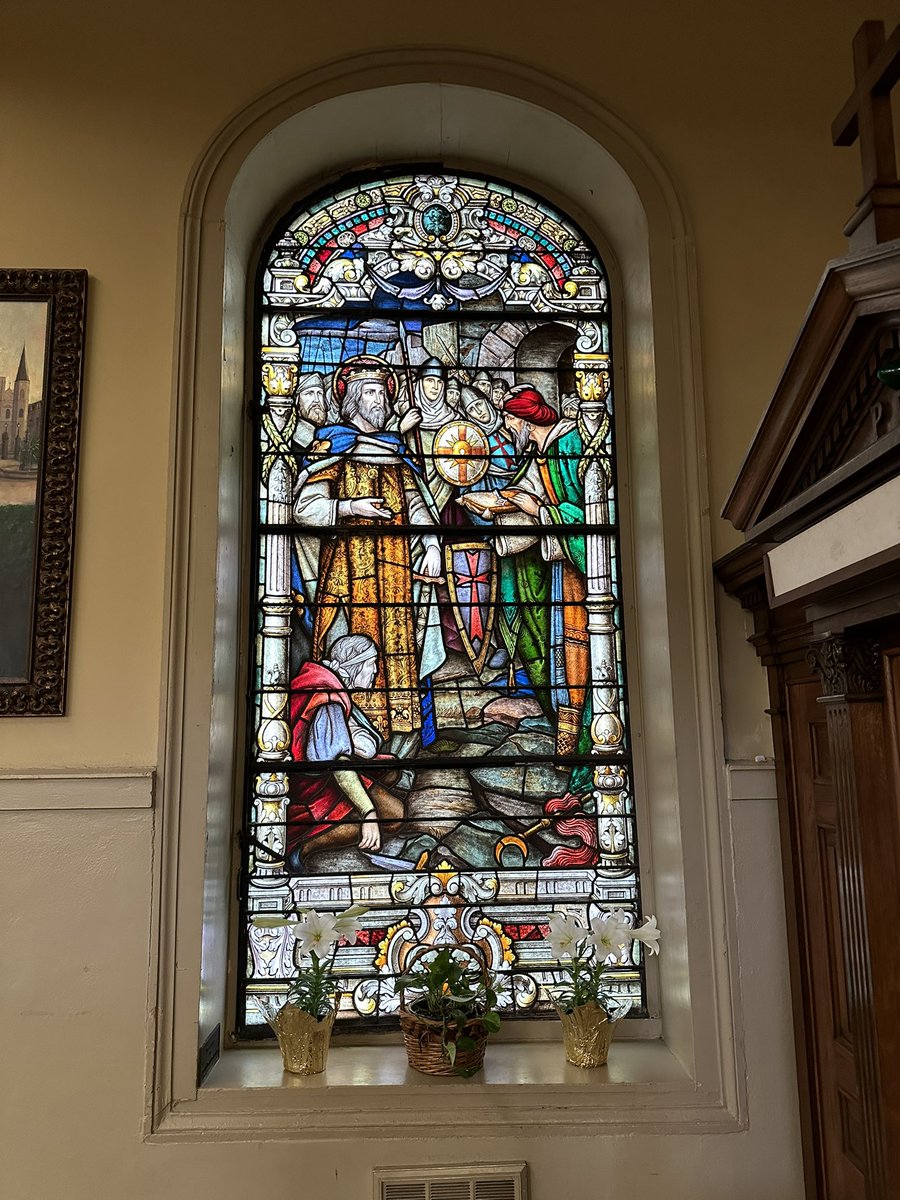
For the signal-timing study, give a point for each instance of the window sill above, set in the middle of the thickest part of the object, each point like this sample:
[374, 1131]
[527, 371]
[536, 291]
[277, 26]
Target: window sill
[371, 1090]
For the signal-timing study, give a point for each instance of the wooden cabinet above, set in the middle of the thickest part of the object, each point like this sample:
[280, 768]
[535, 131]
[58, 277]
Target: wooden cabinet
[820, 571]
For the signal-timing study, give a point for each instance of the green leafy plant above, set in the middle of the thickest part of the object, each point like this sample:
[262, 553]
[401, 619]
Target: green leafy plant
[449, 989]
[313, 989]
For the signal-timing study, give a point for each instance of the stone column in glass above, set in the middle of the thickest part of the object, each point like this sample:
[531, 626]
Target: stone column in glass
[593, 381]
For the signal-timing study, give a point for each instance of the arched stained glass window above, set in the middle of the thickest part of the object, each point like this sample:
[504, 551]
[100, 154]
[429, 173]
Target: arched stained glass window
[438, 722]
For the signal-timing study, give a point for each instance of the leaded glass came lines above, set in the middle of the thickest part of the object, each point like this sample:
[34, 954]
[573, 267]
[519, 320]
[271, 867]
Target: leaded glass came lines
[438, 724]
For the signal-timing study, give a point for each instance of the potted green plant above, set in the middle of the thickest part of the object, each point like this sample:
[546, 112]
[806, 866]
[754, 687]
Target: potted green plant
[588, 1009]
[303, 1023]
[446, 1027]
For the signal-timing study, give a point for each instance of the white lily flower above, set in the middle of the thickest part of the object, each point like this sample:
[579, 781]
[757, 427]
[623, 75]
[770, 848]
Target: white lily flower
[317, 932]
[564, 935]
[609, 935]
[347, 923]
[648, 934]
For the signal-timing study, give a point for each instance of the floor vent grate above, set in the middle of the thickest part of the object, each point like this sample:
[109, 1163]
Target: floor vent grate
[485, 1181]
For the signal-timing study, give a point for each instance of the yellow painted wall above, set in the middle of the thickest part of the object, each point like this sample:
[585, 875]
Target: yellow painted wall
[103, 111]
[106, 108]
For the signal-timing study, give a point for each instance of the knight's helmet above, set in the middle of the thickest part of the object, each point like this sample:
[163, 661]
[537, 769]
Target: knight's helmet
[432, 368]
[482, 383]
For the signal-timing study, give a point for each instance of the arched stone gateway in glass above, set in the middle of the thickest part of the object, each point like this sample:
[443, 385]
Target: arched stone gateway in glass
[438, 723]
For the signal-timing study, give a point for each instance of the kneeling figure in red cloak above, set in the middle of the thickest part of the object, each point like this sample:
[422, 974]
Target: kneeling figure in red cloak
[339, 806]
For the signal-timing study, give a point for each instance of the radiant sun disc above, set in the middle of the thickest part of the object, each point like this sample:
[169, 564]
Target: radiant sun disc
[461, 453]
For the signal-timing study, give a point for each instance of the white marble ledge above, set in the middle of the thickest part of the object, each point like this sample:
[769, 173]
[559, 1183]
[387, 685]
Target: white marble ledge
[525, 1089]
[506, 1065]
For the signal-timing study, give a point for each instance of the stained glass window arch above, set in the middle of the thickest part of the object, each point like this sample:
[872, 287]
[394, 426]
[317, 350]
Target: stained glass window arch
[438, 723]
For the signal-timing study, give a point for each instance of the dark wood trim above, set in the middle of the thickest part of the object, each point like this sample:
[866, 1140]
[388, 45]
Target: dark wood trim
[850, 669]
[741, 573]
[43, 693]
[873, 466]
[799, 954]
[830, 435]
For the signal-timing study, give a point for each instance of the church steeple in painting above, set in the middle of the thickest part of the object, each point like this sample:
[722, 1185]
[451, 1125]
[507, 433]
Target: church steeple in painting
[22, 374]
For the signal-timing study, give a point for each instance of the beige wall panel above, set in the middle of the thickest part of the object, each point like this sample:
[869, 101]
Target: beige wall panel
[73, 1010]
[736, 102]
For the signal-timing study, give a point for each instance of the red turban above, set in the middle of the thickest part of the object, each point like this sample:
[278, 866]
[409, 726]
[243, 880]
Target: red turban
[528, 403]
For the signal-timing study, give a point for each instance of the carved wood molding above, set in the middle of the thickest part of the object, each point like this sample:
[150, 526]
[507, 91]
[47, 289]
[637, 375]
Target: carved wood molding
[742, 574]
[853, 409]
[855, 294]
[850, 668]
[851, 672]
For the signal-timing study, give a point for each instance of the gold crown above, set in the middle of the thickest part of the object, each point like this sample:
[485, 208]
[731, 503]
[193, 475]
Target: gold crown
[365, 366]
[371, 368]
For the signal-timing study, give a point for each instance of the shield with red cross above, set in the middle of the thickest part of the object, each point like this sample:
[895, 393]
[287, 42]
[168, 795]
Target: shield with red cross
[472, 583]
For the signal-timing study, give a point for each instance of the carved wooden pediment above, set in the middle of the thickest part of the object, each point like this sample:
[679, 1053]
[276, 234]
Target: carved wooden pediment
[832, 429]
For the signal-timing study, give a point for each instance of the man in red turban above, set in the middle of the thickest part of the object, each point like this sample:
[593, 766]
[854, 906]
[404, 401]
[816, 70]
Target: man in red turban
[526, 404]
[543, 618]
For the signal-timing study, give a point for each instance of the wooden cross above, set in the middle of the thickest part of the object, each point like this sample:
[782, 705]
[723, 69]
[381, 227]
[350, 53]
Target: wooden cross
[867, 116]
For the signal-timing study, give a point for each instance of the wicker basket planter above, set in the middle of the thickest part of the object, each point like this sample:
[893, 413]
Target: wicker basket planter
[424, 1038]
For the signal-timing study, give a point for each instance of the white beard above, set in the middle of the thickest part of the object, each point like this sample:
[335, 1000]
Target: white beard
[375, 414]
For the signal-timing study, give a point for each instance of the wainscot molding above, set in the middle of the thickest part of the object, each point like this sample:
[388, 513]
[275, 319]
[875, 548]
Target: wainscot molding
[33, 791]
[751, 780]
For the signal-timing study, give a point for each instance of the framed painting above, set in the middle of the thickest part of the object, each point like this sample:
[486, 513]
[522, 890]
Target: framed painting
[42, 314]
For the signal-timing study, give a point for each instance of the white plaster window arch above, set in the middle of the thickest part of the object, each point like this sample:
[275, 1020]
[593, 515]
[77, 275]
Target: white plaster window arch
[471, 112]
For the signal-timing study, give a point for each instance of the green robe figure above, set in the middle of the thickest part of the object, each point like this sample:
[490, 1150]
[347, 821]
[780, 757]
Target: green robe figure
[543, 618]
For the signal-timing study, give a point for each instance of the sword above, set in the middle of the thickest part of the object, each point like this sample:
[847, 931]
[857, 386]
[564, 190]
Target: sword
[395, 864]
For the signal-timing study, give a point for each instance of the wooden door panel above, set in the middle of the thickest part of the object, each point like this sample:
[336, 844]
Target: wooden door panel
[831, 916]
[840, 1121]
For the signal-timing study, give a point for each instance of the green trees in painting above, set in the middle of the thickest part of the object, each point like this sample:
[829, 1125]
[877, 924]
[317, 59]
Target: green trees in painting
[17, 537]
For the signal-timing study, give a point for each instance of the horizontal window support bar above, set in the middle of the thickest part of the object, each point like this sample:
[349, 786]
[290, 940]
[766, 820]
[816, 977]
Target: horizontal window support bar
[350, 311]
[339, 602]
[257, 984]
[412, 827]
[441, 687]
[441, 762]
[467, 487]
[451, 535]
